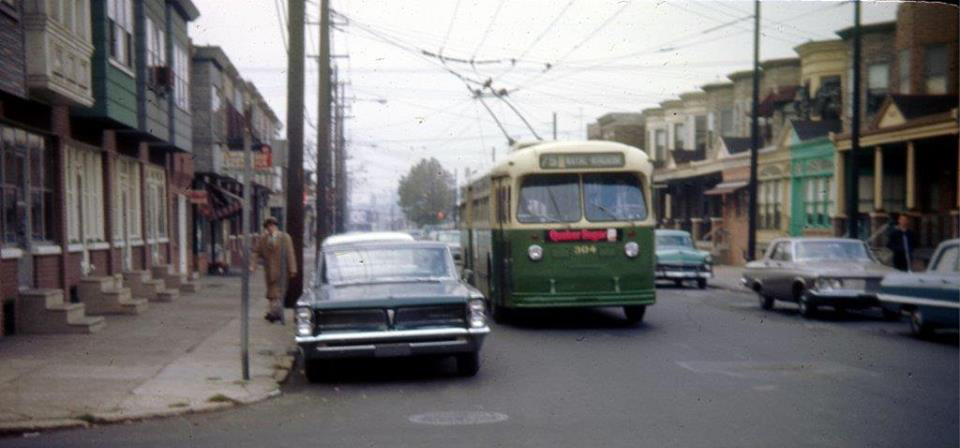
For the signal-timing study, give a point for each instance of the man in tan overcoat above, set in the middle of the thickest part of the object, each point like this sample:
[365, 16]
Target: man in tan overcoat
[275, 248]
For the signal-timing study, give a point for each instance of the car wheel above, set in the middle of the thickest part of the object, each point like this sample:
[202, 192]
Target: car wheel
[499, 314]
[807, 309]
[919, 326]
[314, 370]
[635, 313]
[468, 364]
[766, 302]
[702, 283]
[678, 283]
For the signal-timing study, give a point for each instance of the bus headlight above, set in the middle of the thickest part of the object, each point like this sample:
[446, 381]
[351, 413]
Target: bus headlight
[535, 252]
[304, 320]
[632, 249]
[477, 317]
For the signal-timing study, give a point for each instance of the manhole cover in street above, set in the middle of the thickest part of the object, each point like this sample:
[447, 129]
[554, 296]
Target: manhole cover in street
[456, 418]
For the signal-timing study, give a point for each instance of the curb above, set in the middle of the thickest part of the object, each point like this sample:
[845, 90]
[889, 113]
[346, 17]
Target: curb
[284, 366]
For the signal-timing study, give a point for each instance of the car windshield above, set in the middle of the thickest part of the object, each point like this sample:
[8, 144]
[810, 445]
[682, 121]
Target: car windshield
[372, 265]
[674, 240]
[549, 198]
[613, 197]
[448, 237]
[832, 250]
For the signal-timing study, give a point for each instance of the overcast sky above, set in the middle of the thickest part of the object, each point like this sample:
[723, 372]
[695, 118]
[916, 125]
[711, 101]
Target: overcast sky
[604, 56]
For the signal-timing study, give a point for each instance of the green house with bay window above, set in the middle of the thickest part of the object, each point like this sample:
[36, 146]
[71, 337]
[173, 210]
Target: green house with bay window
[813, 193]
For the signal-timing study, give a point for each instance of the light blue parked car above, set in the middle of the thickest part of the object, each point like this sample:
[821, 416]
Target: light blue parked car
[932, 298]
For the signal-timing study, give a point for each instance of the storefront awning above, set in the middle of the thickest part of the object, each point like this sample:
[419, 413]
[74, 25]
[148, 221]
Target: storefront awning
[726, 188]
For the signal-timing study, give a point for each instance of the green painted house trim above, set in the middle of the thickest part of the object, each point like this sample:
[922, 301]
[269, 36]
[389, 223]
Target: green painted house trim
[152, 102]
[114, 89]
[808, 159]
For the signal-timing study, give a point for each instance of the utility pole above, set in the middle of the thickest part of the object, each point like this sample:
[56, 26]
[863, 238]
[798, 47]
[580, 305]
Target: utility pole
[554, 126]
[295, 88]
[245, 220]
[323, 127]
[342, 184]
[754, 138]
[851, 165]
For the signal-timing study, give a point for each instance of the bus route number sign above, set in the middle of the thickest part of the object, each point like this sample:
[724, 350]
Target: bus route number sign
[581, 160]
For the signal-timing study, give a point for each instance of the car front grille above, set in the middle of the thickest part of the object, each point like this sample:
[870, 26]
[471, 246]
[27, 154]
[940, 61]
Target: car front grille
[430, 316]
[681, 267]
[354, 320]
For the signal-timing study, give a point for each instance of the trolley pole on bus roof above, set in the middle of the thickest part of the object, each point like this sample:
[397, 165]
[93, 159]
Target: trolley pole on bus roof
[754, 138]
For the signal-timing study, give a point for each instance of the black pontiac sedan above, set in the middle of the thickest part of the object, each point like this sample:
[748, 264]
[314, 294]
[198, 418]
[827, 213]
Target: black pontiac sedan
[384, 295]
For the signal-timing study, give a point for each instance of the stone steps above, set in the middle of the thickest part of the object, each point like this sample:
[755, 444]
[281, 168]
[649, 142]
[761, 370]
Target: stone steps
[172, 280]
[43, 311]
[105, 295]
[142, 286]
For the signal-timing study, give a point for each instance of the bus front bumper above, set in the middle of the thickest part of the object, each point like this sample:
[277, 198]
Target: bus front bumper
[580, 300]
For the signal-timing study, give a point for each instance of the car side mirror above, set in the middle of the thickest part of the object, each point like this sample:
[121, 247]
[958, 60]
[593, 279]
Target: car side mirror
[467, 275]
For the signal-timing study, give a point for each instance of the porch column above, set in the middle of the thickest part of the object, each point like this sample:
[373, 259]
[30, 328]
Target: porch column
[667, 206]
[716, 228]
[696, 228]
[109, 186]
[911, 177]
[878, 178]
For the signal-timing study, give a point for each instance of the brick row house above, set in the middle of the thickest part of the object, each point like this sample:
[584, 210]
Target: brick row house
[224, 104]
[700, 141]
[96, 148]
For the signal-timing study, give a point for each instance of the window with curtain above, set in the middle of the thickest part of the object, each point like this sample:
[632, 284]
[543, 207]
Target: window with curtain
[156, 194]
[181, 67]
[878, 83]
[679, 131]
[120, 29]
[84, 182]
[935, 69]
[156, 44]
[127, 198]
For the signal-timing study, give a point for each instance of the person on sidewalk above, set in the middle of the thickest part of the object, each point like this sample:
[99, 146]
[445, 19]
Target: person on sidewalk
[901, 241]
[275, 248]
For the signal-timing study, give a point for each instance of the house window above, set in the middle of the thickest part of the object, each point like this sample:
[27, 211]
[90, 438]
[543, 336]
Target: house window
[826, 102]
[80, 19]
[935, 69]
[726, 122]
[700, 131]
[120, 15]
[127, 200]
[903, 68]
[660, 148]
[768, 205]
[84, 182]
[215, 99]
[156, 203]
[678, 135]
[878, 81]
[156, 40]
[42, 170]
[817, 201]
[181, 85]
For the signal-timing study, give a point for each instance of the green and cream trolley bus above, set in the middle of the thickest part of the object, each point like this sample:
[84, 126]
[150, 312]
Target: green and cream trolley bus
[562, 224]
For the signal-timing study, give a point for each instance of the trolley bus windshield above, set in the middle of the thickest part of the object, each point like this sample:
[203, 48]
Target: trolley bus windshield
[556, 198]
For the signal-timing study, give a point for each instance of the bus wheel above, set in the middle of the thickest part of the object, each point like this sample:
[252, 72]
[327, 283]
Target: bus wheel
[635, 313]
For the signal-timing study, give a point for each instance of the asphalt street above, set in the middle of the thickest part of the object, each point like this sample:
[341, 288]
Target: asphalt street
[708, 368]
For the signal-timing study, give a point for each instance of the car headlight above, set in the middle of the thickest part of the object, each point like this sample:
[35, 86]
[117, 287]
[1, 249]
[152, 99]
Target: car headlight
[304, 320]
[708, 259]
[631, 249]
[477, 313]
[535, 252]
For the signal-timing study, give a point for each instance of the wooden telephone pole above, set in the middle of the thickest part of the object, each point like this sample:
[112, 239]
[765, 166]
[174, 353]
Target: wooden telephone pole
[324, 101]
[295, 88]
[754, 139]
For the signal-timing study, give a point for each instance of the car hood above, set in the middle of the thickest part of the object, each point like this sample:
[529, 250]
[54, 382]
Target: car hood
[680, 255]
[387, 295]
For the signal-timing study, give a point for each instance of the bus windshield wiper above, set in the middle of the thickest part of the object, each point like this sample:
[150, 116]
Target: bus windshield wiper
[605, 210]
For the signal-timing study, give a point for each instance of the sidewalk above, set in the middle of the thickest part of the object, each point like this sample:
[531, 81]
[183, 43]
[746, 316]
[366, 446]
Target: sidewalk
[727, 277]
[175, 358]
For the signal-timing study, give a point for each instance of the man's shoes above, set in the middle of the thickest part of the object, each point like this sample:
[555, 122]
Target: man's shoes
[270, 317]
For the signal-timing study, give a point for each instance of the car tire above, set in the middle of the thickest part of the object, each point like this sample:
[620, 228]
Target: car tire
[702, 283]
[678, 283]
[468, 364]
[499, 314]
[314, 370]
[919, 326]
[807, 309]
[766, 302]
[635, 313]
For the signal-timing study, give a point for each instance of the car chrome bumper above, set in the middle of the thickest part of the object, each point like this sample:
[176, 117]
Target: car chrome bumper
[667, 274]
[393, 343]
[846, 297]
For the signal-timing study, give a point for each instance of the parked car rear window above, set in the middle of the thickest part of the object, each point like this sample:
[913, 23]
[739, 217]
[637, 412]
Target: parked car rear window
[377, 265]
[832, 250]
[549, 198]
[949, 260]
[674, 240]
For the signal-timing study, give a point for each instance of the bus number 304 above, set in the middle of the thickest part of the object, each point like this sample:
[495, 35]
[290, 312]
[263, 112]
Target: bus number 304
[584, 250]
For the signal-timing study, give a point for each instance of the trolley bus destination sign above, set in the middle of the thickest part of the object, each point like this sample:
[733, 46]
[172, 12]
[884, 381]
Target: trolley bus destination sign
[582, 160]
[564, 236]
